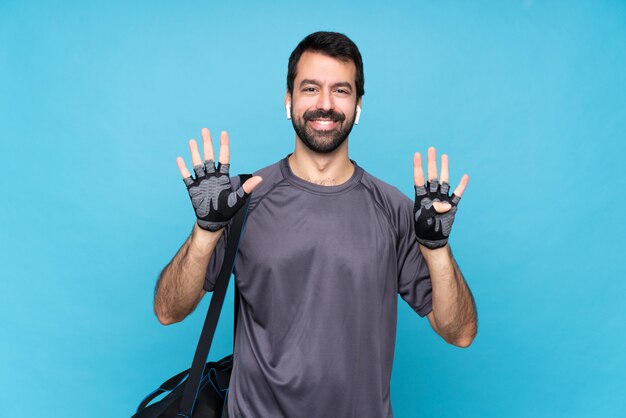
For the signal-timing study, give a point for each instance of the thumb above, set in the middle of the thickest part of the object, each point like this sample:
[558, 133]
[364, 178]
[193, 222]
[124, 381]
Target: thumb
[442, 207]
[251, 183]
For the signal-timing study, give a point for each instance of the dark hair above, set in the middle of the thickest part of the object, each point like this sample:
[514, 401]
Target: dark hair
[333, 44]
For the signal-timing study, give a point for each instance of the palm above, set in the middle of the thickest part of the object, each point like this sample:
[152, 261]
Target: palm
[434, 209]
[205, 196]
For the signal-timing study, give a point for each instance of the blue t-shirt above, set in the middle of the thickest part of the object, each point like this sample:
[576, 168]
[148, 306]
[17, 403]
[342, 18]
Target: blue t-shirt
[319, 269]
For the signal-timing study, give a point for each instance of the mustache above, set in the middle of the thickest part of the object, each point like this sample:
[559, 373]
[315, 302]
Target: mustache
[324, 114]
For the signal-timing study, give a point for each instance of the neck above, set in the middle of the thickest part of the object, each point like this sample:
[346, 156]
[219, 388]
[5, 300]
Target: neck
[330, 169]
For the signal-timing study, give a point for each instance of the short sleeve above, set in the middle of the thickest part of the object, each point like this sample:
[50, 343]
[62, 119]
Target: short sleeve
[414, 284]
[216, 261]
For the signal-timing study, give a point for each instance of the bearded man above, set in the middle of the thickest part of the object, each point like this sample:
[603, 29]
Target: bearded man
[326, 250]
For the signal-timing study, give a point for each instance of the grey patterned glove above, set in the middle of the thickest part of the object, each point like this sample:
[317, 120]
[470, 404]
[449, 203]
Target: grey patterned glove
[432, 228]
[212, 196]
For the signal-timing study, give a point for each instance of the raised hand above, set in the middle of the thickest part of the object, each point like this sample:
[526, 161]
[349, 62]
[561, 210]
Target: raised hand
[434, 210]
[212, 197]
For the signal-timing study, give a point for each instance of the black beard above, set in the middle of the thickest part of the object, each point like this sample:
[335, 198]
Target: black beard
[325, 142]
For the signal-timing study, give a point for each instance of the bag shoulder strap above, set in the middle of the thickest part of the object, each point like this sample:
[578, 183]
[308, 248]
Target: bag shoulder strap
[242, 180]
[217, 301]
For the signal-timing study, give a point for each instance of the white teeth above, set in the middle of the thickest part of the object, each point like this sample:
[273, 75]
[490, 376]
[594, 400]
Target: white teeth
[323, 122]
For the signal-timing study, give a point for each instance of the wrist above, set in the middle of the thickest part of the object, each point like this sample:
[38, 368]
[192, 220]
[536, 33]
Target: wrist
[435, 253]
[439, 261]
[204, 240]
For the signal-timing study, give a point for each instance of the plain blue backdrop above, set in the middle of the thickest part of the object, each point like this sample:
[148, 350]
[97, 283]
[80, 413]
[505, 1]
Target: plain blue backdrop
[98, 98]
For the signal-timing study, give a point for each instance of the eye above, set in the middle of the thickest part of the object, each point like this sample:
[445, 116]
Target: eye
[342, 91]
[308, 89]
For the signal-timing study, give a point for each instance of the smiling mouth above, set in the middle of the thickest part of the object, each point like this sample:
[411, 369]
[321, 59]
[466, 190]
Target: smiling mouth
[323, 124]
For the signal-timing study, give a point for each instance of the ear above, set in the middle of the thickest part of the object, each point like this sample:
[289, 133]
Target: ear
[358, 112]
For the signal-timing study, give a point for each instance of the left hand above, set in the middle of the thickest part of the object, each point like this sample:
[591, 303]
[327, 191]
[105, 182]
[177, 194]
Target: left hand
[434, 210]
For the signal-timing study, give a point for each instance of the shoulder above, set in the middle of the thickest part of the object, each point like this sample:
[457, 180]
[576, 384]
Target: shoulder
[271, 175]
[397, 206]
[386, 195]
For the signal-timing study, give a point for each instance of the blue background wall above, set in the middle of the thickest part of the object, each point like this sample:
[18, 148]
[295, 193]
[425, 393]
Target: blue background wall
[98, 98]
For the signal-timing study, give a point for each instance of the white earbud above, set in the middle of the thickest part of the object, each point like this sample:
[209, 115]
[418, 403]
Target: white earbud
[288, 109]
[358, 115]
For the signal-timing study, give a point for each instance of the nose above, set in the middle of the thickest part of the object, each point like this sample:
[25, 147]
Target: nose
[325, 101]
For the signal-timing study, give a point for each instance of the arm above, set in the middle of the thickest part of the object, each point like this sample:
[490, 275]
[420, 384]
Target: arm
[180, 286]
[454, 311]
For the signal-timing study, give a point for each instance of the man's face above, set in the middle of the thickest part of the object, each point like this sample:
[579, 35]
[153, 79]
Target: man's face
[323, 104]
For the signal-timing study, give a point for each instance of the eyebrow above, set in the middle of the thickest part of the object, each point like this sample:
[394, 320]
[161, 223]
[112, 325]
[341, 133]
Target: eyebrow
[317, 83]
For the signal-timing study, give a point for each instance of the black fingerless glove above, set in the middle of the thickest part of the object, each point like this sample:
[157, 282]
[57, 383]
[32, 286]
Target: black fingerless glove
[432, 228]
[212, 196]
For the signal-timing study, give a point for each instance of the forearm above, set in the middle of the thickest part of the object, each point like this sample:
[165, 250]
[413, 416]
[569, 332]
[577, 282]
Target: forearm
[453, 304]
[180, 285]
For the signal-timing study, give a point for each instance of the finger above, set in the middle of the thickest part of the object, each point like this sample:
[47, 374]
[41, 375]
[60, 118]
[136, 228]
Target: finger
[442, 207]
[207, 145]
[432, 164]
[462, 185]
[445, 175]
[223, 168]
[182, 167]
[195, 155]
[418, 172]
[251, 183]
[224, 148]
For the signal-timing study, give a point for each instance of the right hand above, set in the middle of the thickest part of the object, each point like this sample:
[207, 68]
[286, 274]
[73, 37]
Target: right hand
[212, 196]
